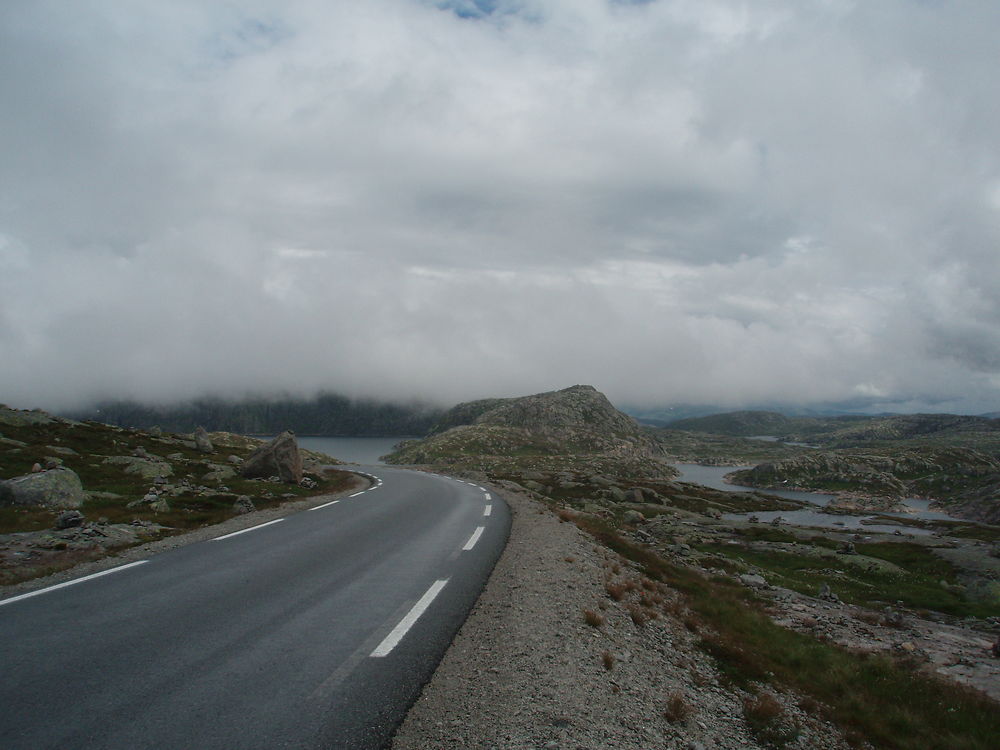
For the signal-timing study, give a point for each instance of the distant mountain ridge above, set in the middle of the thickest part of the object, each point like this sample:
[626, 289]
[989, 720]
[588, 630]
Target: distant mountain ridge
[849, 430]
[326, 414]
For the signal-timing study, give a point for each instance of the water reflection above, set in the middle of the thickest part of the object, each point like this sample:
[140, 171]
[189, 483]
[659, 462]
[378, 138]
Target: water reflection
[712, 476]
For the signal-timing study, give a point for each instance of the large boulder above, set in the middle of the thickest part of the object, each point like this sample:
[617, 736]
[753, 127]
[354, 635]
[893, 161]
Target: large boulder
[56, 488]
[280, 458]
[202, 442]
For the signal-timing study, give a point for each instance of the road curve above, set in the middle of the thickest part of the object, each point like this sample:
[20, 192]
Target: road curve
[314, 631]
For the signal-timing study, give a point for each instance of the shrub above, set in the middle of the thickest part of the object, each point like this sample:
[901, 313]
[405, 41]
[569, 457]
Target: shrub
[592, 618]
[608, 659]
[677, 710]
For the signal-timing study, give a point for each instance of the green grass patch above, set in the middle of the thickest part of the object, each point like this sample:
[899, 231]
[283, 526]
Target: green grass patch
[918, 585]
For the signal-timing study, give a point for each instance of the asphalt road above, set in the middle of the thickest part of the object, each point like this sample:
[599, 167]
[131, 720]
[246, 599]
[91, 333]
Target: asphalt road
[313, 632]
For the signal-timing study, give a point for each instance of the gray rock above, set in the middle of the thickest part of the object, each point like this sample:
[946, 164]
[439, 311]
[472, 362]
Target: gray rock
[58, 488]
[633, 517]
[753, 581]
[243, 505]
[202, 443]
[160, 506]
[61, 450]
[617, 494]
[827, 594]
[219, 473]
[148, 468]
[68, 519]
[281, 456]
[235, 460]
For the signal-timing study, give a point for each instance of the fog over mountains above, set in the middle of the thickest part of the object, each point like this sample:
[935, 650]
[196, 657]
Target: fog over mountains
[680, 202]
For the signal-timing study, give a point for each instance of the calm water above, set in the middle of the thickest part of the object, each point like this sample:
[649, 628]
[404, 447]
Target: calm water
[357, 450]
[711, 476]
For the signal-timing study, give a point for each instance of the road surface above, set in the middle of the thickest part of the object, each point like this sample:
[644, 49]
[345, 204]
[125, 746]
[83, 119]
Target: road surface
[313, 631]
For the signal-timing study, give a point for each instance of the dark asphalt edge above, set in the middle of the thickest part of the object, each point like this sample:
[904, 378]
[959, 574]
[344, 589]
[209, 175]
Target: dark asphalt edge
[120, 557]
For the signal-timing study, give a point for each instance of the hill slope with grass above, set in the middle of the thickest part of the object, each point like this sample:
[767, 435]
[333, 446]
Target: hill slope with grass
[575, 426]
[123, 487]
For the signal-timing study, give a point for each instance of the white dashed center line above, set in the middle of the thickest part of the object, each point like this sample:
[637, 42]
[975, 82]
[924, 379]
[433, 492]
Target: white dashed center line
[392, 640]
[474, 538]
[244, 531]
[327, 505]
[487, 510]
[71, 583]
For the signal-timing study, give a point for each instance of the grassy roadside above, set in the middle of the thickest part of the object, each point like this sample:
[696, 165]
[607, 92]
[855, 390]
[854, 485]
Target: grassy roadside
[875, 699]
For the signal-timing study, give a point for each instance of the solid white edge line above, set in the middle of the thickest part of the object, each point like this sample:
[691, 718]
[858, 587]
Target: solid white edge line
[358, 493]
[244, 531]
[392, 640]
[474, 538]
[487, 510]
[64, 584]
[325, 505]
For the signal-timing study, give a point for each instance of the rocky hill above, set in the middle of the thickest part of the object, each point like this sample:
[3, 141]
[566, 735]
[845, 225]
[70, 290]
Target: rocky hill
[853, 431]
[572, 426]
[964, 481]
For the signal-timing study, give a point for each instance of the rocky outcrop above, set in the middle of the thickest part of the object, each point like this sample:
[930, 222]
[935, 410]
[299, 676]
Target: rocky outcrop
[56, 488]
[962, 481]
[278, 458]
[577, 421]
[148, 467]
[202, 443]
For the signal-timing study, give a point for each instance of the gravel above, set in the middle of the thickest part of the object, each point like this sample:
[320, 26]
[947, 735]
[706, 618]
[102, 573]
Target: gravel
[527, 671]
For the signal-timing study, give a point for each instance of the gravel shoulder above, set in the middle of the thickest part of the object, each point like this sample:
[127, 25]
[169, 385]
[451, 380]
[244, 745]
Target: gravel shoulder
[527, 671]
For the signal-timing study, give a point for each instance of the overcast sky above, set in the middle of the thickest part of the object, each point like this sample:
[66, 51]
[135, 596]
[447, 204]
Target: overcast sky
[677, 201]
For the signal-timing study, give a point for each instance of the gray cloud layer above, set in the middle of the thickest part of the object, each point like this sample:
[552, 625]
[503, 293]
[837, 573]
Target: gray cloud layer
[678, 200]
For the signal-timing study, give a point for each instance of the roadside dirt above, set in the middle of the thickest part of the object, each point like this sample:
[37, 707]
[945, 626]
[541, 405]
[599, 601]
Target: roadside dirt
[527, 671]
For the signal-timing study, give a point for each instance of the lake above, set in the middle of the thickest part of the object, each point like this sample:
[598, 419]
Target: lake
[356, 450]
[712, 476]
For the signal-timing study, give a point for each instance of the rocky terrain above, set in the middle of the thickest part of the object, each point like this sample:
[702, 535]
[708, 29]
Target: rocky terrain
[75, 491]
[629, 611]
[649, 621]
[963, 481]
[936, 430]
[575, 426]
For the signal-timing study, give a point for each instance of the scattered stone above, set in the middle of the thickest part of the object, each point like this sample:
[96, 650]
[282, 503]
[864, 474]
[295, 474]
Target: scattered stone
[202, 443]
[58, 488]
[51, 462]
[826, 594]
[847, 548]
[69, 519]
[219, 473]
[160, 506]
[753, 580]
[235, 460]
[281, 456]
[243, 505]
[61, 450]
[140, 452]
[36, 468]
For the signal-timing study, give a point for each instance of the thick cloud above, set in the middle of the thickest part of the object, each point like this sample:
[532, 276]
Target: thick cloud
[677, 200]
